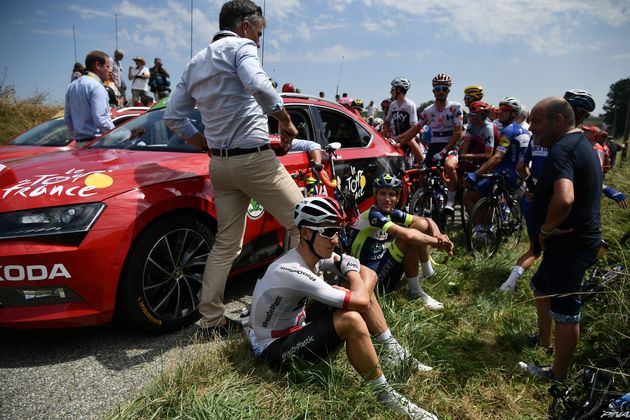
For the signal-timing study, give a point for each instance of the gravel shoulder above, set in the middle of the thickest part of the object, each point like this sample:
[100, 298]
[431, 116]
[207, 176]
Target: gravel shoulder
[86, 372]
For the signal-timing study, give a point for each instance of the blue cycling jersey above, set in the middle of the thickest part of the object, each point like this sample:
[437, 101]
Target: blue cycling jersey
[536, 155]
[513, 142]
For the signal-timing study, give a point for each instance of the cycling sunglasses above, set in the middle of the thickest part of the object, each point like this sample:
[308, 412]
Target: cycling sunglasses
[328, 232]
[441, 88]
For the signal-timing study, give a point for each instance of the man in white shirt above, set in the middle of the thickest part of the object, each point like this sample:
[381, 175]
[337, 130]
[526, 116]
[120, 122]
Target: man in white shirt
[139, 77]
[234, 96]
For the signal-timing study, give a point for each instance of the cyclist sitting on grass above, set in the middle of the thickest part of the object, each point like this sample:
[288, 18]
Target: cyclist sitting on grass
[514, 139]
[410, 238]
[286, 331]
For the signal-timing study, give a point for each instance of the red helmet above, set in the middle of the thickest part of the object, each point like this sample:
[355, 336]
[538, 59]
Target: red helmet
[480, 107]
[386, 103]
[442, 79]
[288, 88]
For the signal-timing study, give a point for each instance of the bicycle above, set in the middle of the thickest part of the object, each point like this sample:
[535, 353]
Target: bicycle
[600, 278]
[592, 393]
[430, 199]
[494, 219]
[315, 180]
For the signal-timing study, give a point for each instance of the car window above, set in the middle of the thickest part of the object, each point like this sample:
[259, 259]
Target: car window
[148, 132]
[341, 128]
[52, 133]
[301, 120]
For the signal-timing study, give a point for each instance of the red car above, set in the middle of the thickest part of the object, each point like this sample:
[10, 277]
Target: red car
[124, 226]
[54, 136]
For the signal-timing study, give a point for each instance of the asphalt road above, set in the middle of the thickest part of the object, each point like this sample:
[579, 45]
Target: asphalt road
[86, 372]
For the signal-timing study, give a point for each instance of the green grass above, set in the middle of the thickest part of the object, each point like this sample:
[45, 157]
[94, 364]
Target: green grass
[473, 345]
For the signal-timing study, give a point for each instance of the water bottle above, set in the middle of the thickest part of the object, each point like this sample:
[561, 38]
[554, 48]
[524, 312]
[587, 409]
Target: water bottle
[249, 332]
[506, 212]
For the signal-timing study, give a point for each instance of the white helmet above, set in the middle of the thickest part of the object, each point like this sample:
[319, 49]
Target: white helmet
[318, 209]
[512, 102]
[401, 82]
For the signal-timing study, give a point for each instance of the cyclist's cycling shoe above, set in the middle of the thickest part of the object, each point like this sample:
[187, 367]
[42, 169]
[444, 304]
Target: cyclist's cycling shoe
[401, 405]
[399, 356]
[429, 302]
[449, 208]
[542, 372]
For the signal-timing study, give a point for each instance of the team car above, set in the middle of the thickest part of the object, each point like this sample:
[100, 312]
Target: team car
[123, 227]
[54, 136]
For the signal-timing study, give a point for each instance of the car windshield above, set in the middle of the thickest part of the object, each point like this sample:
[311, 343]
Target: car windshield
[148, 132]
[51, 133]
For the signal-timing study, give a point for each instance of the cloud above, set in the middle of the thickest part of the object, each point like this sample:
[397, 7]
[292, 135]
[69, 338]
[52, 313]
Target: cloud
[621, 56]
[86, 13]
[328, 54]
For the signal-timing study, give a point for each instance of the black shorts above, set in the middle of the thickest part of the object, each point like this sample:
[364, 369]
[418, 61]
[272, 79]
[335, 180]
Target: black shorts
[316, 341]
[389, 270]
[560, 277]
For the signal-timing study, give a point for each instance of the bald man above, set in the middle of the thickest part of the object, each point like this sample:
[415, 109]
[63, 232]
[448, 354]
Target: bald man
[566, 214]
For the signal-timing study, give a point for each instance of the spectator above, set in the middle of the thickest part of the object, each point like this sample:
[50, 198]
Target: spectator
[226, 78]
[371, 111]
[321, 95]
[86, 108]
[566, 213]
[112, 90]
[158, 80]
[117, 75]
[77, 72]
[139, 77]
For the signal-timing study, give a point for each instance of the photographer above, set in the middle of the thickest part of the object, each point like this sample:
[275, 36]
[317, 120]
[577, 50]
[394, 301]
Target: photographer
[139, 77]
[158, 81]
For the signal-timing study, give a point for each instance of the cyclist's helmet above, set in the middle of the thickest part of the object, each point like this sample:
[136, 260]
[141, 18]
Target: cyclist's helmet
[288, 88]
[580, 99]
[401, 82]
[317, 210]
[442, 79]
[475, 92]
[386, 181]
[511, 102]
[480, 107]
[357, 104]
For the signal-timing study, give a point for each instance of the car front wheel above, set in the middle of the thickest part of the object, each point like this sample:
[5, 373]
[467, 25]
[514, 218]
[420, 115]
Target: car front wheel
[161, 282]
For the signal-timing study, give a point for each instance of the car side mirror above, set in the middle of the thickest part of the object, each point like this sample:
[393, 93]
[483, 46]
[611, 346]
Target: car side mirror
[333, 146]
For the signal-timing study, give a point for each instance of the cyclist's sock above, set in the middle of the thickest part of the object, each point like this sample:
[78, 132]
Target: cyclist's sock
[386, 335]
[510, 283]
[414, 285]
[450, 198]
[427, 269]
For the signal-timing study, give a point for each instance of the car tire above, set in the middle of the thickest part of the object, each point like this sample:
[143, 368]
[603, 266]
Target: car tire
[160, 285]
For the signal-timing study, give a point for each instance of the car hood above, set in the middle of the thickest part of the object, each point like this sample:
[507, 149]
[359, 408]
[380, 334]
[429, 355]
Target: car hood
[90, 175]
[11, 152]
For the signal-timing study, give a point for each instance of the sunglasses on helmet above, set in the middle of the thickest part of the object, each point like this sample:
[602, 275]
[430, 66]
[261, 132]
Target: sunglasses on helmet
[441, 88]
[328, 232]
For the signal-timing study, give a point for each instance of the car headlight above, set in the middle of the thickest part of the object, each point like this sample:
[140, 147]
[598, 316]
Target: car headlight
[49, 221]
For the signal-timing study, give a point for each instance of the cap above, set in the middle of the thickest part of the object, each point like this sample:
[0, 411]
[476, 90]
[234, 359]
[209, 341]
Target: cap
[139, 58]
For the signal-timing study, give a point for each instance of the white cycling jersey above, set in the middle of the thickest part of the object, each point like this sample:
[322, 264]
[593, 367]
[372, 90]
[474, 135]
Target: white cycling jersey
[442, 121]
[401, 116]
[280, 296]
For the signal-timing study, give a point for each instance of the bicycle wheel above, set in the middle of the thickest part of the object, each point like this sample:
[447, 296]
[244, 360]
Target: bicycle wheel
[512, 226]
[420, 203]
[484, 228]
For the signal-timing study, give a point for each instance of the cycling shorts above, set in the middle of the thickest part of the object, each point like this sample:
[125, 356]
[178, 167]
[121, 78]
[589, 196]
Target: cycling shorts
[560, 277]
[389, 269]
[437, 148]
[315, 341]
[526, 210]
[484, 185]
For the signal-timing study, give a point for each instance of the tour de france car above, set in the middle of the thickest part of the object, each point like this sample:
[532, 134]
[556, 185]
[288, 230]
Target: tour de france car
[54, 136]
[123, 227]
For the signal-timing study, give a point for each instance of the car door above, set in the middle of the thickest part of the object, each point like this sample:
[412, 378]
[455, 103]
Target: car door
[363, 155]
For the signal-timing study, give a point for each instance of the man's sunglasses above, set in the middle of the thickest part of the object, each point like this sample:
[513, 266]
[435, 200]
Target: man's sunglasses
[440, 88]
[330, 232]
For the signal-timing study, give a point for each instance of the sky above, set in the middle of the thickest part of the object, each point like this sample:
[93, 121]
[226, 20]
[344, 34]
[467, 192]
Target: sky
[529, 49]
